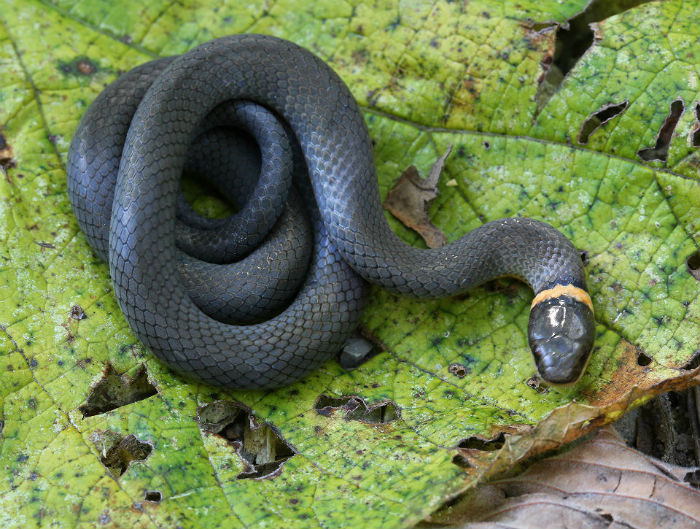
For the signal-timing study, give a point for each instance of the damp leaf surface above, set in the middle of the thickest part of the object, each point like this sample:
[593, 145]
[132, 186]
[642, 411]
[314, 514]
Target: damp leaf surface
[452, 398]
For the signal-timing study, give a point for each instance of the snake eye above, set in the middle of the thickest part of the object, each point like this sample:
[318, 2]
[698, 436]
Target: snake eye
[561, 334]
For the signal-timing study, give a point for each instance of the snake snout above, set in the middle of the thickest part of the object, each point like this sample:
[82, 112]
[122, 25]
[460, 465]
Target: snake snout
[561, 334]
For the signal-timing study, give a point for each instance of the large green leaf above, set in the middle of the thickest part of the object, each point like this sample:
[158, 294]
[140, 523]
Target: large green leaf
[426, 75]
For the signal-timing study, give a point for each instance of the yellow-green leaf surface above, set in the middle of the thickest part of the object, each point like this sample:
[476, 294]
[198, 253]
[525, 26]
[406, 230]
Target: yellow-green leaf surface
[427, 75]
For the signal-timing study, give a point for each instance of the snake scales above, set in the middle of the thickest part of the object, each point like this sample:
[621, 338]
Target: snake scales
[289, 304]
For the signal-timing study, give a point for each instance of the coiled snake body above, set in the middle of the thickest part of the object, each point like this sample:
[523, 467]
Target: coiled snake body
[125, 163]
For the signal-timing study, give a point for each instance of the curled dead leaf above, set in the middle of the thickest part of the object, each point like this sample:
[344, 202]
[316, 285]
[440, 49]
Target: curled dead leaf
[600, 483]
[408, 200]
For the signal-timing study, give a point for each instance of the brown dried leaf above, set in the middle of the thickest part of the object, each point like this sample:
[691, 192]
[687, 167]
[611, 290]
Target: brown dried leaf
[601, 483]
[410, 197]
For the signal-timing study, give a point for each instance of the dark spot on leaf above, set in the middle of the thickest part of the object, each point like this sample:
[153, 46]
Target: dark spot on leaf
[642, 359]
[77, 312]
[487, 145]
[46, 245]
[6, 158]
[32, 403]
[663, 139]
[599, 118]
[693, 264]
[356, 409]
[459, 370]
[486, 445]
[22, 458]
[104, 518]
[117, 451]
[114, 391]
[81, 66]
[260, 447]
[33, 363]
[395, 23]
[153, 496]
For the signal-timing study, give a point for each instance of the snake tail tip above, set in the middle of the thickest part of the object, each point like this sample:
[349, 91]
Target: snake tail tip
[561, 335]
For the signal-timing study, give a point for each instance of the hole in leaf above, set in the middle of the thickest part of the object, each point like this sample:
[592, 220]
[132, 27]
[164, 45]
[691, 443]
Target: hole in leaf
[114, 391]
[663, 139]
[461, 461]
[117, 451]
[459, 370]
[607, 517]
[573, 39]
[693, 264]
[7, 163]
[153, 495]
[261, 448]
[356, 409]
[600, 118]
[486, 445]
[695, 133]
[584, 257]
[536, 384]
[77, 312]
[642, 359]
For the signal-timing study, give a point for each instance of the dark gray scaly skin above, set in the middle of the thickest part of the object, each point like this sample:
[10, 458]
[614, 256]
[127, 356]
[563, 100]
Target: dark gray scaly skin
[317, 106]
[231, 161]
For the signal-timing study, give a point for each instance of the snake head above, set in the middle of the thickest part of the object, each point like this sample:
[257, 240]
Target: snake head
[561, 334]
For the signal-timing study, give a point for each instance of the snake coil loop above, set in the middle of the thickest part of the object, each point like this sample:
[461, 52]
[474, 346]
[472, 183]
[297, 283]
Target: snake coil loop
[125, 163]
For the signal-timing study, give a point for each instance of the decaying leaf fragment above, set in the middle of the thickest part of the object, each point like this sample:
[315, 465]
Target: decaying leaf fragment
[601, 483]
[118, 451]
[408, 200]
